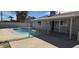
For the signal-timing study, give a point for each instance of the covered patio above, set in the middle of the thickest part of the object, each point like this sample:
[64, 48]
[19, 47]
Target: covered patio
[58, 19]
[66, 28]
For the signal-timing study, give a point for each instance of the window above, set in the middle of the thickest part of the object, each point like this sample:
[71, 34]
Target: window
[62, 22]
[39, 22]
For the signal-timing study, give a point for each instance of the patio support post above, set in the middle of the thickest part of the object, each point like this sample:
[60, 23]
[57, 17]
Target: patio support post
[70, 30]
[59, 25]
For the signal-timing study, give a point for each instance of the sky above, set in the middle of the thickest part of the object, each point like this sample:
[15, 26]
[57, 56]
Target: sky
[41, 13]
[6, 14]
[36, 14]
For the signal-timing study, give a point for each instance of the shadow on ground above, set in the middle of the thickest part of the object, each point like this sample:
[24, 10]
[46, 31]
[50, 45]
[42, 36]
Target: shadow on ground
[60, 41]
[5, 44]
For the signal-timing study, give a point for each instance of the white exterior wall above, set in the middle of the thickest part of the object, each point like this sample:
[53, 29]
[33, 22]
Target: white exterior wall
[65, 27]
[35, 25]
[76, 25]
[44, 26]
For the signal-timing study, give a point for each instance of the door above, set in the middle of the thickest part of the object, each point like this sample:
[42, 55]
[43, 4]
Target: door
[52, 25]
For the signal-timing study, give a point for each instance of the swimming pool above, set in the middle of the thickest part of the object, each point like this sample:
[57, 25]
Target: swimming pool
[25, 31]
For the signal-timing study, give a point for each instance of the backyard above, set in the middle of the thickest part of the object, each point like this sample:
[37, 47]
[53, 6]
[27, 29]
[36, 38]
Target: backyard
[23, 31]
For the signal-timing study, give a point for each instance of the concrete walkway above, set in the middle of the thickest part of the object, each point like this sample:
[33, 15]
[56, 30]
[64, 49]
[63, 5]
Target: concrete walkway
[31, 43]
[76, 46]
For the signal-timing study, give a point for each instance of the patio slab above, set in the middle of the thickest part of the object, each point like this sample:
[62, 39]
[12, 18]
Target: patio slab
[58, 40]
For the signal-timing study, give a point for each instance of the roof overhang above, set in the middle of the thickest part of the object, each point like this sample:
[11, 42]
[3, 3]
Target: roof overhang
[55, 17]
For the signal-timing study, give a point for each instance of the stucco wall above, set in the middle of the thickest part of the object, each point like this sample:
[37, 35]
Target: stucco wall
[44, 26]
[76, 25]
[65, 28]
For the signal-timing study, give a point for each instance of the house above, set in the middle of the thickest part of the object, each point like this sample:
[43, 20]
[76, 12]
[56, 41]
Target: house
[63, 23]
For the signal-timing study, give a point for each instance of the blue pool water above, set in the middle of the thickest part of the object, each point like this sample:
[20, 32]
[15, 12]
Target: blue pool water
[26, 31]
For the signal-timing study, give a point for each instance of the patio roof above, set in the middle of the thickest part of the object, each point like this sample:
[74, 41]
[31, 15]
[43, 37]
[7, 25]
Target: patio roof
[54, 17]
[60, 16]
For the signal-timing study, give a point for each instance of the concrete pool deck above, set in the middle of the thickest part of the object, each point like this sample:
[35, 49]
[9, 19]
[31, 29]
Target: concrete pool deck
[9, 34]
[14, 39]
[31, 43]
